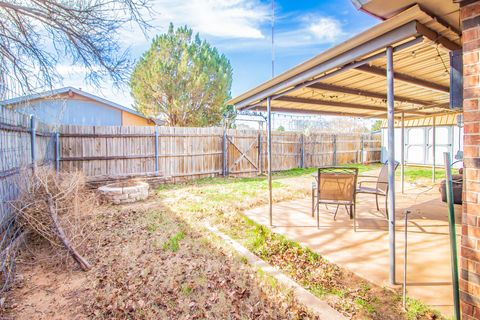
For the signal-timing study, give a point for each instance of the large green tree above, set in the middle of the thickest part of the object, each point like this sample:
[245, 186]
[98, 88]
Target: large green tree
[183, 80]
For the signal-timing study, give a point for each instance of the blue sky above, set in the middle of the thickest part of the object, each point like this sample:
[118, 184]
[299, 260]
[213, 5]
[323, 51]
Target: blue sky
[241, 29]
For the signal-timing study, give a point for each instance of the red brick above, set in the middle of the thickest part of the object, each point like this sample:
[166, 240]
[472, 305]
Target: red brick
[471, 151]
[464, 286]
[471, 69]
[472, 186]
[471, 57]
[471, 116]
[468, 265]
[471, 232]
[467, 317]
[476, 267]
[473, 139]
[471, 81]
[470, 35]
[476, 312]
[469, 93]
[472, 197]
[472, 209]
[466, 308]
[469, 219]
[470, 253]
[469, 11]
[469, 287]
[470, 104]
[469, 242]
[471, 45]
[472, 174]
[471, 127]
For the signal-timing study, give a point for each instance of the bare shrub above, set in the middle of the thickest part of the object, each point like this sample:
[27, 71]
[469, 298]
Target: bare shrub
[52, 207]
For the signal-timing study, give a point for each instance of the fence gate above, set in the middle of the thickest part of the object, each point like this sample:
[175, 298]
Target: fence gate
[242, 154]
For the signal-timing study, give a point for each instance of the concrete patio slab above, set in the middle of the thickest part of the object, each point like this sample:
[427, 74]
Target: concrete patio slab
[365, 252]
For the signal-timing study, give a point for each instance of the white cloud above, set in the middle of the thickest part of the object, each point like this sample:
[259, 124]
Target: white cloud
[217, 18]
[304, 31]
[325, 29]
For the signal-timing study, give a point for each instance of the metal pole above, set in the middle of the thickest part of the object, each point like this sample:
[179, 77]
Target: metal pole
[302, 159]
[273, 38]
[33, 138]
[269, 156]
[225, 153]
[402, 149]
[57, 151]
[453, 234]
[156, 149]
[260, 151]
[362, 158]
[405, 262]
[433, 148]
[334, 160]
[391, 163]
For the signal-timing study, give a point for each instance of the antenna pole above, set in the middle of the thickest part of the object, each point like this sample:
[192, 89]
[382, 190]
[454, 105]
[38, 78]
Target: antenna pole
[273, 39]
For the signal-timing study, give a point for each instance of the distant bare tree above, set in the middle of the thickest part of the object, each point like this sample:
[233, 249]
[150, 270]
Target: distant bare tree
[37, 35]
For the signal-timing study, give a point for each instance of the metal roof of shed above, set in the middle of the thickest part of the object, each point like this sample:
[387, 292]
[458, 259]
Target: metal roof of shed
[350, 78]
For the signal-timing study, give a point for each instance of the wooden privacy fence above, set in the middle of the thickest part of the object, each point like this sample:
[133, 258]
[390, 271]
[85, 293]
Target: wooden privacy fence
[180, 153]
[106, 152]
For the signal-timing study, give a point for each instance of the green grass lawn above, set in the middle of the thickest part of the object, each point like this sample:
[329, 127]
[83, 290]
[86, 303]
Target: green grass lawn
[421, 174]
[413, 174]
[297, 172]
[221, 201]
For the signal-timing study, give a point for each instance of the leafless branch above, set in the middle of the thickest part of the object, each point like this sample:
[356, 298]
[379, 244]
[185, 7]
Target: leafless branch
[37, 35]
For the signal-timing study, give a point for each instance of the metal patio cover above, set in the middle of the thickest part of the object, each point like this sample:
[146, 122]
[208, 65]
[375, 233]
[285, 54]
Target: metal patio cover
[350, 78]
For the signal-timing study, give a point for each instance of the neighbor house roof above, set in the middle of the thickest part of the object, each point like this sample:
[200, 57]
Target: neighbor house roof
[350, 79]
[58, 93]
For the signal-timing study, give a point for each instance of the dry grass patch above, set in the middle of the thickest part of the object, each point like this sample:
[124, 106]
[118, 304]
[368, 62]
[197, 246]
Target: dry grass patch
[148, 264]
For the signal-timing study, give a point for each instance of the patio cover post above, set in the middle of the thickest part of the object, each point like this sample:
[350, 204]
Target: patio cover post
[269, 157]
[391, 163]
[402, 152]
[434, 141]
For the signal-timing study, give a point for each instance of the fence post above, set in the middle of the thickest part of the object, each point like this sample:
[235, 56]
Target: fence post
[260, 151]
[334, 150]
[225, 153]
[57, 151]
[33, 139]
[302, 159]
[362, 148]
[156, 149]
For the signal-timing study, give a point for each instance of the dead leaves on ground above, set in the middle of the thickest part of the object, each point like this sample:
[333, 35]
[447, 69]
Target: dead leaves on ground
[136, 277]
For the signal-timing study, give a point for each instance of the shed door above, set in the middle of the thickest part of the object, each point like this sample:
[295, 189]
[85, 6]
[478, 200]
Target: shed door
[419, 144]
[443, 136]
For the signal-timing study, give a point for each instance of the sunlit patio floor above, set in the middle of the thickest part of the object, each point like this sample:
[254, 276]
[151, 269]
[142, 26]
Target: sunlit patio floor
[365, 252]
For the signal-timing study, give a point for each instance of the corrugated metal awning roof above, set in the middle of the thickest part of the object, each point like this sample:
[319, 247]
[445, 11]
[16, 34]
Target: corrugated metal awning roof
[350, 79]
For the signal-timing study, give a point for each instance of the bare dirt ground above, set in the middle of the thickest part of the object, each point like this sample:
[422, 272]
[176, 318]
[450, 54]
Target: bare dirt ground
[148, 264]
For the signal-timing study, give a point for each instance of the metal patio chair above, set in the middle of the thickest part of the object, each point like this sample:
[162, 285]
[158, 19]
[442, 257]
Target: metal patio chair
[335, 185]
[381, 185]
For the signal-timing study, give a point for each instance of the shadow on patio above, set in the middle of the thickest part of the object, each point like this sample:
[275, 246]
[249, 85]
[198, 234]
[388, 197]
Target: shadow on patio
[365, 252]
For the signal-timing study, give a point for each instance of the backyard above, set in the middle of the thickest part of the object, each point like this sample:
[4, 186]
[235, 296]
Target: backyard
[158, 259]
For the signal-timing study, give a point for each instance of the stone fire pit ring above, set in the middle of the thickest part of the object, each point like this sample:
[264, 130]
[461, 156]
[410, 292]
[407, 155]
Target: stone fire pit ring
[124, 192]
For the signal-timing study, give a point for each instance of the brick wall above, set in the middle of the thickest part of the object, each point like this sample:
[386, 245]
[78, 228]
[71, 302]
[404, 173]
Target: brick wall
[470, 244]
